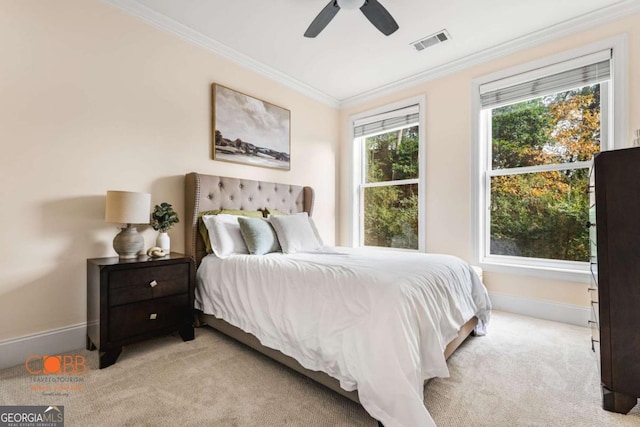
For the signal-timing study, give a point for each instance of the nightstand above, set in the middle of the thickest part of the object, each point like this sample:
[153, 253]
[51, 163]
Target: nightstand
[132, 300]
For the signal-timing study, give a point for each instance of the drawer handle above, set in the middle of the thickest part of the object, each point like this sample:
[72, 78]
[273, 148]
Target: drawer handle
[153, 284]
[153, 316]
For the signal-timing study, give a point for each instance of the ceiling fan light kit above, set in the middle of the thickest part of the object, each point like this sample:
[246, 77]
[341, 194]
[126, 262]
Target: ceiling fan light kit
[351, 4]
[371, 9]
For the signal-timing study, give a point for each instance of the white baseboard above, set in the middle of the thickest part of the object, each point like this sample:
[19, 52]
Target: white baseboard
[54, 342]
[541, 309]
[58, 341]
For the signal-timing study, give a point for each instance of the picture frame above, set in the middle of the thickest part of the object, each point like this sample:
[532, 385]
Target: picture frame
[248, 130]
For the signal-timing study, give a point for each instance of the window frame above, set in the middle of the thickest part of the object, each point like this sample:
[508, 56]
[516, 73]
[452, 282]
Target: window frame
[358, 181]
[614, 126]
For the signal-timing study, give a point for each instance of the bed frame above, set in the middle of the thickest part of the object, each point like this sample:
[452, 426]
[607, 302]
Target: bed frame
[209, 192]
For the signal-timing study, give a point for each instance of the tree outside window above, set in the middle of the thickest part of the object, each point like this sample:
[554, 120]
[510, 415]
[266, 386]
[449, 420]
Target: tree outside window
[390, 188]
[540, 154]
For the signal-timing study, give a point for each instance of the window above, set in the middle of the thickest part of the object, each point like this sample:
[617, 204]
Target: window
[387, 202]
[538, 130]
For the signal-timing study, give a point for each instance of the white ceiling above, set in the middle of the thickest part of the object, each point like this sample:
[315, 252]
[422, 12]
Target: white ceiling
[351, 59]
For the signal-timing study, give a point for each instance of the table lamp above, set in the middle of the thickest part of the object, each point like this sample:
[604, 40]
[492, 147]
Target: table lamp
[128, 207]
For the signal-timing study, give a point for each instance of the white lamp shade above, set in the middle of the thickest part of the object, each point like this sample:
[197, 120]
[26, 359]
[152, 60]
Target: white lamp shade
[127, 207]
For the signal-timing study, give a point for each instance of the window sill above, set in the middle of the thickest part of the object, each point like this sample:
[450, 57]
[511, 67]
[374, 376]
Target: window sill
[384, 248]
[543, 272]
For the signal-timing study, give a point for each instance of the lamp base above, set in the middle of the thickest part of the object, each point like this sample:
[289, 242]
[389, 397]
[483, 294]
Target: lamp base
[128, 243]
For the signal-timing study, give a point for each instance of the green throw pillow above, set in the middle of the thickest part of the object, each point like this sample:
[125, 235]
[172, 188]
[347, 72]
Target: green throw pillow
[259, 235]
[203, 228]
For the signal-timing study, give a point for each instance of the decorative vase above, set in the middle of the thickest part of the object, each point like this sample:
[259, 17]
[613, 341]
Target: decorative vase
[163, 241]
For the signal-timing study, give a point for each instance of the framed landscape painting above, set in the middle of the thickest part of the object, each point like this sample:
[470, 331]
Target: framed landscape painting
[248, 130]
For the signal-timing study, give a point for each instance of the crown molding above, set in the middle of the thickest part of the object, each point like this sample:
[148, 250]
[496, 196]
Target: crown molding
[163, 22]
[566, 28]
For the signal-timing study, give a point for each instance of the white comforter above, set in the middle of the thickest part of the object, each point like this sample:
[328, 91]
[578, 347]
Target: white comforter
[376, 320]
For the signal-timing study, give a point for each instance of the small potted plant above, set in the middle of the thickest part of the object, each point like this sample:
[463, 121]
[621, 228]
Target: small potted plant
[163, 218]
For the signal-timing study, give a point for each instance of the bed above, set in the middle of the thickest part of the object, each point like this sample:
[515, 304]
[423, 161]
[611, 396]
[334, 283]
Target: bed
[345, 370]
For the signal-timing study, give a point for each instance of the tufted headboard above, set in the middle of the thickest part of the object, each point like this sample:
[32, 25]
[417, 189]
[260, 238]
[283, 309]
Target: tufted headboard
[209, 192]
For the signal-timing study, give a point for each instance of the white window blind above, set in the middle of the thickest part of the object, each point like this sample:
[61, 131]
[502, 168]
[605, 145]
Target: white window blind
[582, 71]
[387, 121]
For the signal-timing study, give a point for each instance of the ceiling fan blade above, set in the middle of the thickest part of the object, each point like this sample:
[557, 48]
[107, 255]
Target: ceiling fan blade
[379, 17]
[324, 17]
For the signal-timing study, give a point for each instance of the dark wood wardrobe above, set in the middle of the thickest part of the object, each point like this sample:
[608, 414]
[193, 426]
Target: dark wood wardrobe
[616, 268]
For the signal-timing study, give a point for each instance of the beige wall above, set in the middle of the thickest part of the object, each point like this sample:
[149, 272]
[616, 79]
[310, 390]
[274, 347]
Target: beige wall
[449, 152]
[93, 99]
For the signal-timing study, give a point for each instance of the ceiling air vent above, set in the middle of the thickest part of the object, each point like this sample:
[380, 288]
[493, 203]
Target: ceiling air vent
[432, 40]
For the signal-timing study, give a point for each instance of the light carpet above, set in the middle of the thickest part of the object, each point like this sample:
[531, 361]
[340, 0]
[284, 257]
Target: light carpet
[525, 372]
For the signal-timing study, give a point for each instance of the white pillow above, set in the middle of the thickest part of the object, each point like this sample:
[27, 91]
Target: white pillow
[225, 236]
[296, 233]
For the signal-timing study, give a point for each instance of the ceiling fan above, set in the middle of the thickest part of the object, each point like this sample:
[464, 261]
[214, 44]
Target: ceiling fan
[372, 9]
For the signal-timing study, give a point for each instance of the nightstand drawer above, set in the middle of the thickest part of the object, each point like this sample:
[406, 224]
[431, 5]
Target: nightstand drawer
[135, 319]
[127, 286]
